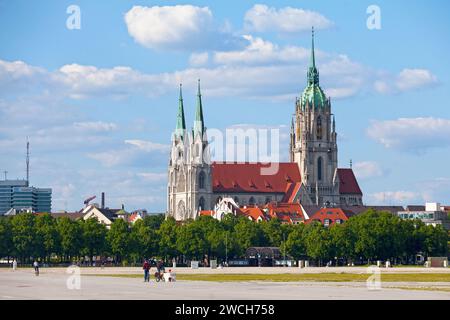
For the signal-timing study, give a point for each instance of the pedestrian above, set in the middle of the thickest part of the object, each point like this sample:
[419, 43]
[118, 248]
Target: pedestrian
[14, 265]
[36, 267]
[146, 268]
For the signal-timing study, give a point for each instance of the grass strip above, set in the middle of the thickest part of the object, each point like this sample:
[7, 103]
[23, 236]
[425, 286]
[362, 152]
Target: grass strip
[319, 277]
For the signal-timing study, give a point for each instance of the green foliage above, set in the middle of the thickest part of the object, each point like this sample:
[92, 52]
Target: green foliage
[48, 239]
[94, 237]
[24, 235]
[295, 243]
[369, 236]
[6, 242]
[119, 238]
[71, 235]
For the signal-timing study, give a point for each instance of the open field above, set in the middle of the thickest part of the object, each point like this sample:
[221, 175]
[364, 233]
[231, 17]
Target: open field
[52, 284]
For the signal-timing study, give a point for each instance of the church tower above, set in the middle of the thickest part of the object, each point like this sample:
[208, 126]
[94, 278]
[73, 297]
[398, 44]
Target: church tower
[313, 140]
[189, 182]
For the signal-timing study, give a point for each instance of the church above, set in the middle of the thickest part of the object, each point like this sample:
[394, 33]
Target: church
[312, 176]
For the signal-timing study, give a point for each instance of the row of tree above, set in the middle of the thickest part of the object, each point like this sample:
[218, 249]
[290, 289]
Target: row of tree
[369, 236]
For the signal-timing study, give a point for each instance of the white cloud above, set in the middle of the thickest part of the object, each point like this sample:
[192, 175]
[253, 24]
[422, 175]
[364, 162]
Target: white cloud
[180, 27]
[262, 18]
[367, 169]
[95, 126]
[411, 134]
[198, 59]
[148, 146]
[259, 51]
[405, 80]
[151, 176]
[395, 197]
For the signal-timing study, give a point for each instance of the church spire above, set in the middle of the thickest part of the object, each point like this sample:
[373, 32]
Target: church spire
[181, 123]
[199, 125]
[313, 73]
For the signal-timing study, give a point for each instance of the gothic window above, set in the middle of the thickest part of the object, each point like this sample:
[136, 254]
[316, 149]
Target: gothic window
[319, 169]
[319, 128]
[268, 199]
[201, 203]
[236, 199]
[181, 210]
[201, 180]
[251, 201]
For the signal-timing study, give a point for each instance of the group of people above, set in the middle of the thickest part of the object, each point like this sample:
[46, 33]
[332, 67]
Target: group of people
[160, 269]
[35, 266]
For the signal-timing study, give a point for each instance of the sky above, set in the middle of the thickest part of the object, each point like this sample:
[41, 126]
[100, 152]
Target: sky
[98, 103]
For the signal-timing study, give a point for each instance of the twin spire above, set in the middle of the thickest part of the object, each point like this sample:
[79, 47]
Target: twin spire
[199, 125]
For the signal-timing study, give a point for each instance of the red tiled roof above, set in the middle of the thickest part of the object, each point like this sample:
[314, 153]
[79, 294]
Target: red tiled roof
[348, 183]
[332, 214]
[206, 212]
[292, 190]
[247, 177]
[254, 213]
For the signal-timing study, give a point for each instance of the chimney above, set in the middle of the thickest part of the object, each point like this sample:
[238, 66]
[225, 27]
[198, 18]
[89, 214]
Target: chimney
[103, 200]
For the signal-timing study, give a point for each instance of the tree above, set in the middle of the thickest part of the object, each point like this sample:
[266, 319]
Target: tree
[143, 239]
[94, 238]
[71, 235]
[295, 243]
[6, 243]
[154, 221]
[191, 240]
[47, 237]
[248, 234]
[119, 239]
[436, 238]
[318, 242]
[273, 233]
[167, 234]
[24, 236]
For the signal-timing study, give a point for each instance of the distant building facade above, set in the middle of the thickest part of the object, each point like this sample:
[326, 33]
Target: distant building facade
[17, 195]
[432, 214]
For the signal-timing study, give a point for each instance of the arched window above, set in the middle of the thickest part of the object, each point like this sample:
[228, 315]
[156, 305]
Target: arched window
[236, 199]
[251, 201]
[201, 203]
[319, 128]
[201, 180]
[319, 169]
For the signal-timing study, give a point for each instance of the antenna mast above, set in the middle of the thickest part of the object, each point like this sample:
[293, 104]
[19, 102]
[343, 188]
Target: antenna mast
[28, 162]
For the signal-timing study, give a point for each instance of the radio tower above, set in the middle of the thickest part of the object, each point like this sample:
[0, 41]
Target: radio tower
[28, 162]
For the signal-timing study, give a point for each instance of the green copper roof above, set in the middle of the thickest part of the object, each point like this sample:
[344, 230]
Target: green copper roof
[313, 93]
[181, 123]
[199, 125]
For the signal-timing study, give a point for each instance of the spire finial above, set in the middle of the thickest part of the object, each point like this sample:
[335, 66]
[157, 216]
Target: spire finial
[181, 123]
[199, 125]
[313, 73]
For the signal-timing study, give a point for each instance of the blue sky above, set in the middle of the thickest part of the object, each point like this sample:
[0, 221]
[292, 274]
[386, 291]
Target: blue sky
[99, 103]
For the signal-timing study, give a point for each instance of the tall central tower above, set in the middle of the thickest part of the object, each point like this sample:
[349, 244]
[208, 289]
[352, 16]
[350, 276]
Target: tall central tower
[313, 139]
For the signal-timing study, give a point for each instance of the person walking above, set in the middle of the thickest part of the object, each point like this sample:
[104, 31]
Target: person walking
[36, 267]
[14, 265]
[146, 268]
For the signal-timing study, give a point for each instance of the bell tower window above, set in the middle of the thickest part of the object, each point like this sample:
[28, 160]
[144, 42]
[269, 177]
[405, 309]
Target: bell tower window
[201, 180]
[319, 169]
[319, 128]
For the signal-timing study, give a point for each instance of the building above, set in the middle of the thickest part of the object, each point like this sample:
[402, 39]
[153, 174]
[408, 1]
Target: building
[330, 216]
[433, 214]
[312, 176]
[16, 196]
